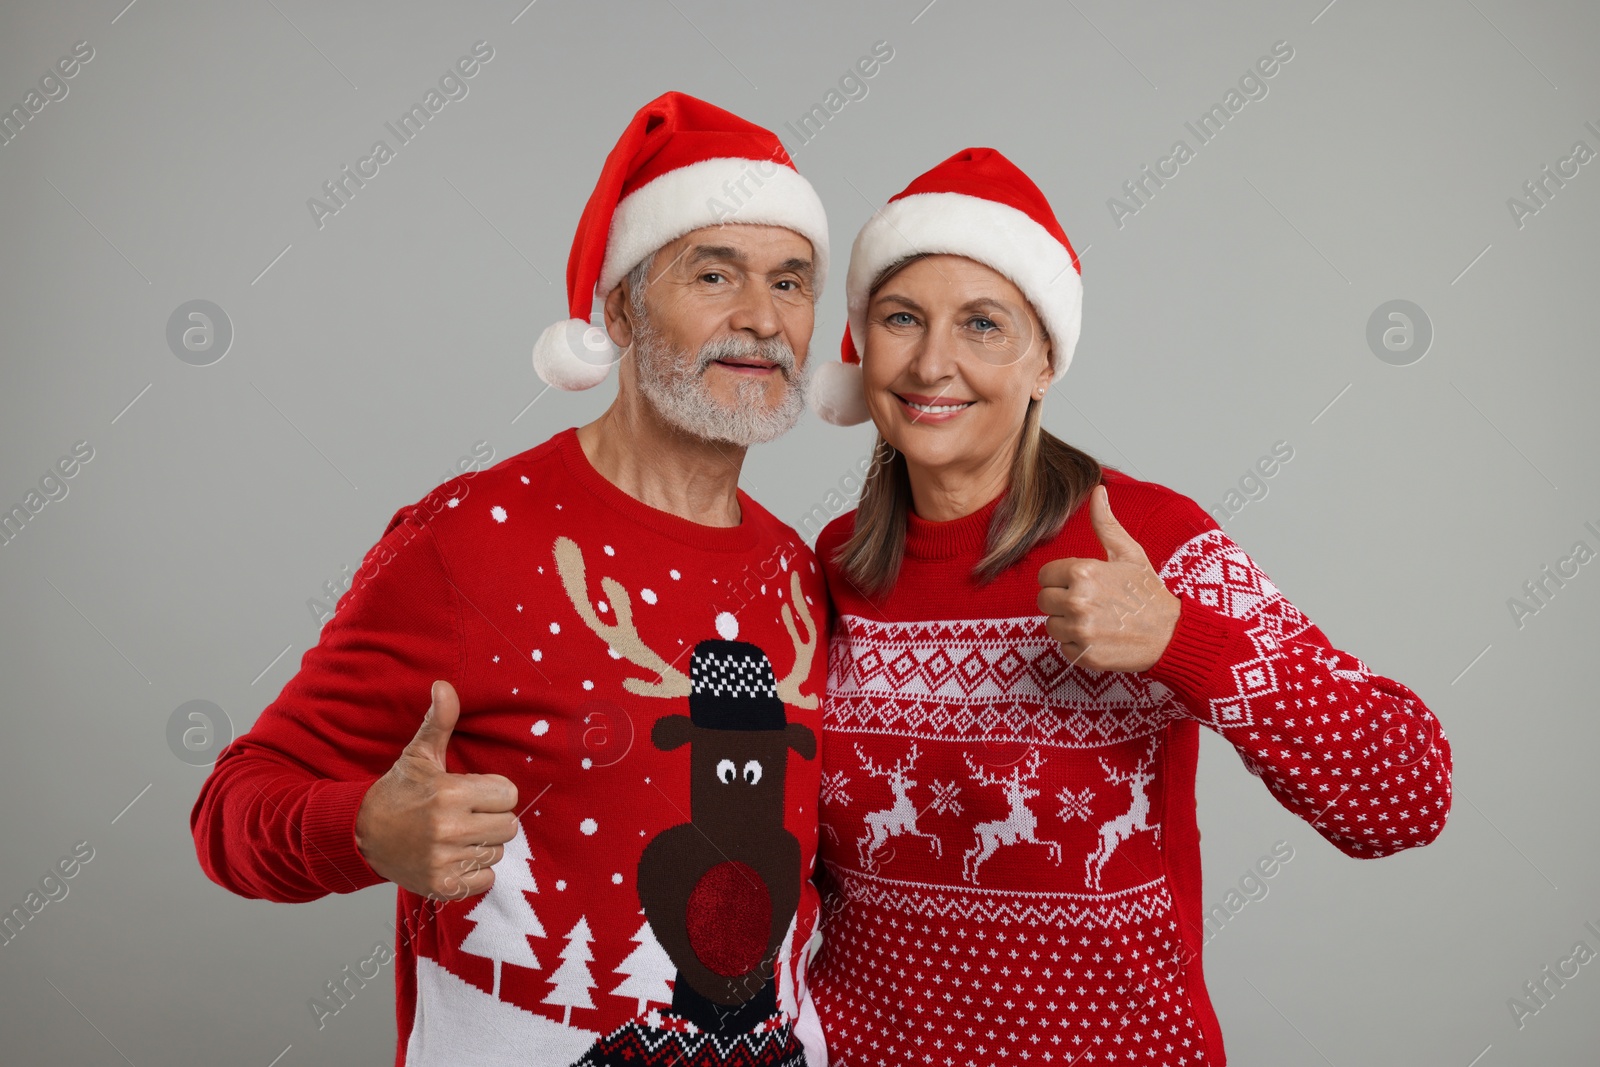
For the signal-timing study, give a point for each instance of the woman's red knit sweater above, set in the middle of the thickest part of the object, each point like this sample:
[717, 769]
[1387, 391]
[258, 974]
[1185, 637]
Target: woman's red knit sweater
[1011, 852]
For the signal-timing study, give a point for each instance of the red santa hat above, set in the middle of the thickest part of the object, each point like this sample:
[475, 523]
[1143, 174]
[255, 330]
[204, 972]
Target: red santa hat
[680, 165]
[976, 204]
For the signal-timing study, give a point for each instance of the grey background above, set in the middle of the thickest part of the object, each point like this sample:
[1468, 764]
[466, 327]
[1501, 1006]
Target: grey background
[369, 355]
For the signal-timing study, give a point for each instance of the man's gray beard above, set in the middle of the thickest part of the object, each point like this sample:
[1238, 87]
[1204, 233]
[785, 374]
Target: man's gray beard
[679, 393]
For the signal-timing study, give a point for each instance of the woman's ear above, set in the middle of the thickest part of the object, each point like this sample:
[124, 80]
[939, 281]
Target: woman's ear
[1047, 373]
[619, 324]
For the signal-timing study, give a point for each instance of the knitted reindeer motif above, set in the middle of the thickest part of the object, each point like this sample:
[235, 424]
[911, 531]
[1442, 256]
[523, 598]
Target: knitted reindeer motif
[1018, 825]
[721, 889]
[1124, 826]
[900, 817]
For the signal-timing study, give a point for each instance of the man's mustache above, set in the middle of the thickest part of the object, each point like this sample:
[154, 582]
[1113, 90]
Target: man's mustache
[774, 350]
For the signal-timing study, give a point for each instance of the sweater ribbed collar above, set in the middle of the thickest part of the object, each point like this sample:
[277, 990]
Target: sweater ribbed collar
[967, 536]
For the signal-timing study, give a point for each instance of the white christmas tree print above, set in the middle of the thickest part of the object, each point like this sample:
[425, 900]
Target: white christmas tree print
[504, 920]
[572, 979]
[649, 971]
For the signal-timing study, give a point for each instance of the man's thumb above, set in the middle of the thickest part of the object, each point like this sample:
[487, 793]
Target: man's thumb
[433, 736]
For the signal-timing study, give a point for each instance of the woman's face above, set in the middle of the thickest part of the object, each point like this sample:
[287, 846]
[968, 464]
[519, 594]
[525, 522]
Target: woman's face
[953, 353]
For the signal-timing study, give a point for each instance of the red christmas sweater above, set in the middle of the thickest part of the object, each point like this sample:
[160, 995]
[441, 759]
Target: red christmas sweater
[1009, 843]
[651, 686]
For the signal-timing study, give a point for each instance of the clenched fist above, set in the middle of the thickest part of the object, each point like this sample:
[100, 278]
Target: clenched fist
[430, 831]
[1113, 614]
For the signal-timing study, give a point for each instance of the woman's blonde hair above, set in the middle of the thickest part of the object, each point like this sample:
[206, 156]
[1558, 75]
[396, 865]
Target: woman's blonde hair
[1049, 479]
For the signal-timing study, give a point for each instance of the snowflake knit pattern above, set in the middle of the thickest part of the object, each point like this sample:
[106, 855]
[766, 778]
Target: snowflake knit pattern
[651, 686]
[1009, 841]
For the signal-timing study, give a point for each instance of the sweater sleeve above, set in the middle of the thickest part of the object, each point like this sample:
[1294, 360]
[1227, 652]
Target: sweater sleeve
[1355, 754]
[275, 819]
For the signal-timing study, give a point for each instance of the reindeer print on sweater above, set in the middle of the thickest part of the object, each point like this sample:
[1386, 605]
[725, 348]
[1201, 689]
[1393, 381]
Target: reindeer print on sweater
[651, 686]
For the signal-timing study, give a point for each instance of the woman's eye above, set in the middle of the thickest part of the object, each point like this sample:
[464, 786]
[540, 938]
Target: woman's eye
[900, 318]
[981, 322]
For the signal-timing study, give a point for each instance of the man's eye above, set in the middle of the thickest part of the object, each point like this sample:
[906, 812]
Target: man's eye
[790, 285]
[711, 276]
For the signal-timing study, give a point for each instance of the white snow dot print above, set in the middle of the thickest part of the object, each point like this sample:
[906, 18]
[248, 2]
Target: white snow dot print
[454, 501]
[555, 627]
[647, 595]
[727, 626]
[588, 826]
[541, 728]
[675, 575]
[497, 513]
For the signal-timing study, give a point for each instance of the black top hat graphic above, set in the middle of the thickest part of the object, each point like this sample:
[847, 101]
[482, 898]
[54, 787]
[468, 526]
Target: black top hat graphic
[732, 688]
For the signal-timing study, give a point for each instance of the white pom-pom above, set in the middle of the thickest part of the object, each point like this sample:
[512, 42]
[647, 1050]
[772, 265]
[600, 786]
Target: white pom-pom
[837, 394]
[574, 355]
[727, 625]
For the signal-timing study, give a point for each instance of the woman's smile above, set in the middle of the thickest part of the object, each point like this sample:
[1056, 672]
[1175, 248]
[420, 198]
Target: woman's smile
[931, 409]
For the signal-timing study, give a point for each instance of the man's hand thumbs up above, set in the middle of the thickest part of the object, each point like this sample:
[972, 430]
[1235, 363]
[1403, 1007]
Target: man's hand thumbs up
[433, 736]
[431, 831]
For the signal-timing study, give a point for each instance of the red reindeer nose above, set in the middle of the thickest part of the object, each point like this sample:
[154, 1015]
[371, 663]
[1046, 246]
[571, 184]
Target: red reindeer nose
[730, 918]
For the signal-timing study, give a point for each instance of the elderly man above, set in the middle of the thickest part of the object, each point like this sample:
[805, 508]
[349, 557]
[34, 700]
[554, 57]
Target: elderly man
[603, 827]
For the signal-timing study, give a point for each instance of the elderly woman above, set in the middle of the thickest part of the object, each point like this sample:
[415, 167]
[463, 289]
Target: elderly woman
[1025, 648]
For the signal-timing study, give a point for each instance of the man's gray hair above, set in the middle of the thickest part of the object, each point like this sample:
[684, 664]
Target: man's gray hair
[638, 279]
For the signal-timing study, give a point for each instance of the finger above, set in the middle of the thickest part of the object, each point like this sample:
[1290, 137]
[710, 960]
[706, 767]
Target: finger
[484, 829]
[1118, 543]
[478, 856]
[1054, 601]
[1058, 573]
[457, 885]
[433, 736]
[488, 792]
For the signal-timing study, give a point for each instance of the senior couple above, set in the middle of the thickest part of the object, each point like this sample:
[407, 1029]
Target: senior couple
[687, 792]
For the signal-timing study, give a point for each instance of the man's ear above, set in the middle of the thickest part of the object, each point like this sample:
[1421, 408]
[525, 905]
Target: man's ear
[619, 323]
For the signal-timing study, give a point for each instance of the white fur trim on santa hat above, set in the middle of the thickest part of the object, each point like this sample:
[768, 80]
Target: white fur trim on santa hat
[837, 395]
[573, 355]
[712, 191]
[995, 235]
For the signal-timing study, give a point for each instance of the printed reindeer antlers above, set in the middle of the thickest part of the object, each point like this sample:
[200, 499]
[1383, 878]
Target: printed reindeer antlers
[789, 688]
[623, 635]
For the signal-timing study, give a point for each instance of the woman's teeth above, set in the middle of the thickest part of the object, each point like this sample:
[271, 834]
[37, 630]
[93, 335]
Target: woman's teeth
[937, 409]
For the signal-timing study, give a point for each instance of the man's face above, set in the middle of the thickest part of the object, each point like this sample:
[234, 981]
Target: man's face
[720, 330]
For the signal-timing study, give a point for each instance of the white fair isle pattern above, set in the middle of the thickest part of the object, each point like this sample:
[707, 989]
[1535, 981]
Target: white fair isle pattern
[1355, 754]
[999, 680]
[1070, 981]
[1098, 911]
